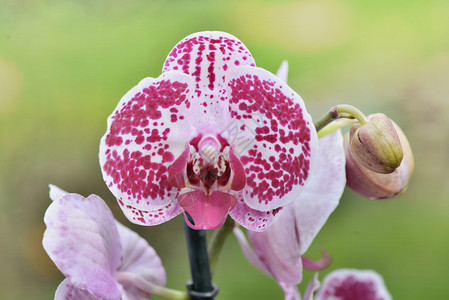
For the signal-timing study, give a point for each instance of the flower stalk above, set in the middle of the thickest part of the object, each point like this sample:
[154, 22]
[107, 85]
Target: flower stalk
[342, 112]
[336, 125]
[345, 111]
[201, 287]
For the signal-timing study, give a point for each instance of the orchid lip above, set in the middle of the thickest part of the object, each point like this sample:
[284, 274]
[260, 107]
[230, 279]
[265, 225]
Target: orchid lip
[203, 172]
[203, 211]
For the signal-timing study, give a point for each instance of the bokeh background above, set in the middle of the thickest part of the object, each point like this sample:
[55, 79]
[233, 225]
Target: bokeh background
[65, 64]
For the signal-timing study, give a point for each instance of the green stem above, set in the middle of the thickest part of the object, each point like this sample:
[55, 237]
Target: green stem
[218, 241]
[150, 287]
[338, 124]
[339, 112]
[331, 116]
[353, 112]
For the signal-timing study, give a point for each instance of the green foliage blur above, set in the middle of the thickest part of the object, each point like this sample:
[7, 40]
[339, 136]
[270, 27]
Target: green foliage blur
[64, 65]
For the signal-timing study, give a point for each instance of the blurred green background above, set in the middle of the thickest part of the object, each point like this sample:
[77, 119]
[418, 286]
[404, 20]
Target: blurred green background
[65, 64]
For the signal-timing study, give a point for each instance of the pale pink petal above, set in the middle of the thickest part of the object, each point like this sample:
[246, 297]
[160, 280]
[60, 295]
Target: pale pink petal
[258, 259]
[56, 192]
[146, 133]
[139, 257]
[274, 137]
[323, 263]
[322, 193]
[249, 252]
[350, 284]
[207, 211]
[312, 287]
[290, 291]
[278, 248]
[282, 72]
[252, 219]
[82, 240]
[131, 292]
[67, 291]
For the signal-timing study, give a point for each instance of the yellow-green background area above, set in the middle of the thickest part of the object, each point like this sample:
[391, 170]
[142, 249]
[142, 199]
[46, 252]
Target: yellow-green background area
[64, 65]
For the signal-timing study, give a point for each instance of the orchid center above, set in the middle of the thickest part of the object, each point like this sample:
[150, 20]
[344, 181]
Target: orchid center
[203, 172]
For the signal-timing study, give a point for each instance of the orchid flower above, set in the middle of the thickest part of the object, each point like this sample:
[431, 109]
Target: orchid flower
[101, 258]
[348, 284]
[278, 251]
[213, 135]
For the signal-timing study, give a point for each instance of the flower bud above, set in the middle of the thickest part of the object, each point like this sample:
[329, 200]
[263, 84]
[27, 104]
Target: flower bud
[376, 144]
[376, 185]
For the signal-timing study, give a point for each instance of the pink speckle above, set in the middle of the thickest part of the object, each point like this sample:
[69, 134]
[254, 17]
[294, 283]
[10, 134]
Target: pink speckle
[285, 130]
[350, 288]
[131, 172]
[216, 49]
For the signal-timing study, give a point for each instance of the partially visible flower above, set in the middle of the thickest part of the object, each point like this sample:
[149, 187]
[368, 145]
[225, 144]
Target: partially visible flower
[211, 136]
[349, 284]
[101, 258]
[376, 144]
[376, 185]
[278, 251]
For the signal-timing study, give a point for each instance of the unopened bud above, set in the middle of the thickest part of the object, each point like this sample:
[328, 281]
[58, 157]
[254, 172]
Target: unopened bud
[376, 144]
[377, 185]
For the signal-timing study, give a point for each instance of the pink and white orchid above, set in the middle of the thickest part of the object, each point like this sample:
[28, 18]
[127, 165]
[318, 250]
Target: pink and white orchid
[212, 135]
[349, 284]
[278, 251]
[101, 258]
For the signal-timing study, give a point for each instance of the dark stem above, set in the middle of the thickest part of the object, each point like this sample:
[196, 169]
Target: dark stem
[201, 287]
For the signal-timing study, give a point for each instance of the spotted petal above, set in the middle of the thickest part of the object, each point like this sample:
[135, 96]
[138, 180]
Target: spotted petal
[146, 133]
[273, 134]
[82, 240]
[151, 217]
[207, 56]
[350, 284]
[252, 219]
